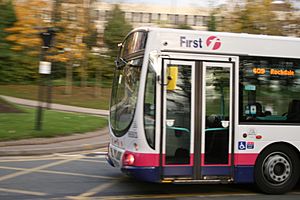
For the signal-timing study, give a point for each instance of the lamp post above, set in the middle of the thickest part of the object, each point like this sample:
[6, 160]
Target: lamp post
[44, 70]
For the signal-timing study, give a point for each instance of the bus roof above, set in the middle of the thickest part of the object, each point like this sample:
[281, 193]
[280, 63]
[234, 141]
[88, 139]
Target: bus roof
[178, 40]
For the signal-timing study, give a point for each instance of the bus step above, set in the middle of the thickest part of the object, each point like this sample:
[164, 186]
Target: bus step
[205, 181]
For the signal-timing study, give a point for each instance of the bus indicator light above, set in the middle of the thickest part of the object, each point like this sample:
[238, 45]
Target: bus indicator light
[258, 137]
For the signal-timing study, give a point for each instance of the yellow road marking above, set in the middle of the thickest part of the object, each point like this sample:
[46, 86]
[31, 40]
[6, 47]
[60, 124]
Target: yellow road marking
[94, 161]
[93, 191]
[22, 159]
[52, 157]
[23, 192]
[168, 196]
[13, 175]
[58, 172]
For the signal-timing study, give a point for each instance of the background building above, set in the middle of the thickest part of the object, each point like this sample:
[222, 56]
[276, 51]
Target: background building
[153, 15]
[196, 18]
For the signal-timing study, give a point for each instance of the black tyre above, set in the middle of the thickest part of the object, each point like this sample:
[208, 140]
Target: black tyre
[277, 170]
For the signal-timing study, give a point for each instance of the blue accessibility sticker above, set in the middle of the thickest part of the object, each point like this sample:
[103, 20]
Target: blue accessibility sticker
[242, 145]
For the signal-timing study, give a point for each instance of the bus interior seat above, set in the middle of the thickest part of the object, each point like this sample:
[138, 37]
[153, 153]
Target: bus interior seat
[294, 111]
[213, 121]
[182, 156]
[268, 113]
[259, 110]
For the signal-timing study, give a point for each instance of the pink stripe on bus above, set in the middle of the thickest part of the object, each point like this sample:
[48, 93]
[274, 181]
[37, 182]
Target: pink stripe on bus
[245, 158]
[152, 160]
[145, 159]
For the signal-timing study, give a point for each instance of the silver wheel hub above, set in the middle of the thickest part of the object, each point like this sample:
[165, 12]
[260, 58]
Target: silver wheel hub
[277, 168]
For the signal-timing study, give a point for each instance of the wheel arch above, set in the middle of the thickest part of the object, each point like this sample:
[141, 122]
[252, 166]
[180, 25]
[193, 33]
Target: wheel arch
[281, 143]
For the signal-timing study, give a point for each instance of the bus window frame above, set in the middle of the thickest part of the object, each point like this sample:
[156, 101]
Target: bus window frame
[133, 54]
[242, 93]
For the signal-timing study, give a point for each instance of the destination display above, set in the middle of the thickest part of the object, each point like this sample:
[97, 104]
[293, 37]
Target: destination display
[275, 72]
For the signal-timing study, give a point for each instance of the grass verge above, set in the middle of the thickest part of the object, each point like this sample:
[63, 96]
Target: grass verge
[15, 126]
[86, 97]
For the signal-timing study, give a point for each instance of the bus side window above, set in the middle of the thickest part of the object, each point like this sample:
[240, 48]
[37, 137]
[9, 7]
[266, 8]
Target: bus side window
[150, 106]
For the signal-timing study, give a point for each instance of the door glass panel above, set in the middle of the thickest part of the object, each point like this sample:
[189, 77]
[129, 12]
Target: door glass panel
[217, 99]
[178, 117]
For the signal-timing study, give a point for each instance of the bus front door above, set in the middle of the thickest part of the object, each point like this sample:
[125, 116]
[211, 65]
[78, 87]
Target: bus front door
[197, 120]
[178, 123]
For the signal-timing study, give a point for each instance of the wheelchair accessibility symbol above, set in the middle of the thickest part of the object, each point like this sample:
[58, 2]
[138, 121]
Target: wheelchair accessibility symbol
[242, 145]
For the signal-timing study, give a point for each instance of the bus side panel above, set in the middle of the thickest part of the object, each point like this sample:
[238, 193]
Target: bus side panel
[244, 174]
[259, 137]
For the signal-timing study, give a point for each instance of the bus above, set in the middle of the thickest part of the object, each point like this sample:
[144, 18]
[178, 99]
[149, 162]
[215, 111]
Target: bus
[207, 107]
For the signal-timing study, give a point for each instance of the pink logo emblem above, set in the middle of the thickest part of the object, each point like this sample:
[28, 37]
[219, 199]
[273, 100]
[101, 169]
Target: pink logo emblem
[213, 42]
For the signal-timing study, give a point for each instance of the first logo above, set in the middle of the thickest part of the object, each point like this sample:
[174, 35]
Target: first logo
[213, 42]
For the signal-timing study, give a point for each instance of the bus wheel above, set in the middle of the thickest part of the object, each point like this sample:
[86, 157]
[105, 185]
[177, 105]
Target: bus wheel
[276, 170]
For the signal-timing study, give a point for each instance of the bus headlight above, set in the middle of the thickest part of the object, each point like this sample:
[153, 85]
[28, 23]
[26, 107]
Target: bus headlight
[128, 159]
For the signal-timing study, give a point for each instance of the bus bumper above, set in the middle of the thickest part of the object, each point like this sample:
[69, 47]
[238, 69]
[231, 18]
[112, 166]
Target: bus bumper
[149, 174]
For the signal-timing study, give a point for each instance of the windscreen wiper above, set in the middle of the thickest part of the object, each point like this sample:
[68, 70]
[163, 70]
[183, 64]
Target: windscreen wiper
[120, 62]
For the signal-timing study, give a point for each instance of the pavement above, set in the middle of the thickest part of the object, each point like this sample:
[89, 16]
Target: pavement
[44, 146]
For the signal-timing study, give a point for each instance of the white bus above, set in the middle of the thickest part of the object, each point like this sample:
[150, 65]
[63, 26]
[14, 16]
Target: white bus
[207, 107]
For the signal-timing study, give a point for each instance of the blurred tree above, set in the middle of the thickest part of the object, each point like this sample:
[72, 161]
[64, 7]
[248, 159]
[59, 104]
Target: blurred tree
[31, 18]
[15, 64]
[75, 35]
[96, 63]
[7, 19]
[88, 39]
[114, 33]
[115, 30]
[252, 16]
[289, 17]
[75, 38]
[212, 24]
[25, 39]
[184, 26]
